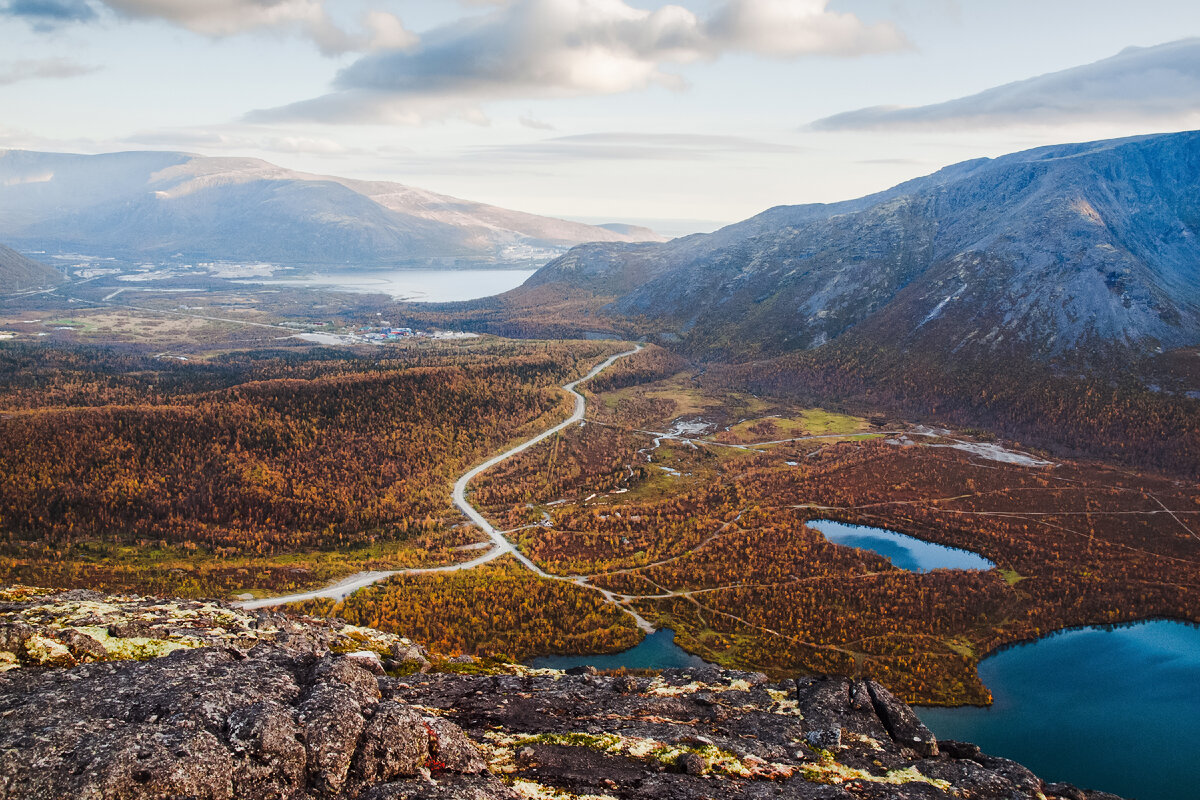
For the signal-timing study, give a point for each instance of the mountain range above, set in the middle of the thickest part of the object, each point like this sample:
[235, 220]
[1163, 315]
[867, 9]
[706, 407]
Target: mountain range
[164, 206]
[1041, 253]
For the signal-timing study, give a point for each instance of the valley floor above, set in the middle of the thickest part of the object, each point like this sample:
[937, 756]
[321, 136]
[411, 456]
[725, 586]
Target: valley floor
[656, 497]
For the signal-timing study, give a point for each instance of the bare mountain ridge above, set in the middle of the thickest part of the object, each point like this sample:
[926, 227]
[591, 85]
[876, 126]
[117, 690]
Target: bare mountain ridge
[163, 206]
[1041, 252]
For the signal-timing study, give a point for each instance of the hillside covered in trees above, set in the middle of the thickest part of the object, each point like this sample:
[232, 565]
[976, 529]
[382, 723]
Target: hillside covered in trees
[254, 470]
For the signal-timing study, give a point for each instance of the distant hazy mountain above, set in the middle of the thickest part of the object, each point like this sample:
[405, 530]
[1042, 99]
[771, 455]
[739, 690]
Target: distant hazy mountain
[1041, 252]
[1160, 82]
[18, 273]
[161, 206]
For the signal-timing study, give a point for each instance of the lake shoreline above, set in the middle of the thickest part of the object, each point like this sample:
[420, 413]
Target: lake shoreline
[1096, 705]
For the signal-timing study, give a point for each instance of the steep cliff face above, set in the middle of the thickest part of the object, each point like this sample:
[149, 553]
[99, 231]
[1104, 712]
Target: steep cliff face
[200, 700]
[1041, 252]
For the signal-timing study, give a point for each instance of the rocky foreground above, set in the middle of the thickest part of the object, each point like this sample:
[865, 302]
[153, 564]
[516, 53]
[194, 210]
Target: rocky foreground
[130, 698]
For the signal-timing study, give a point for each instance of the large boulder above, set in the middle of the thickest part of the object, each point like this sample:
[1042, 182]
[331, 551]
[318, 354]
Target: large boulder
[901, 722]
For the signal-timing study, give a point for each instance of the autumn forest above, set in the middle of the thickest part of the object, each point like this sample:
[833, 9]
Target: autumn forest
[682, 500]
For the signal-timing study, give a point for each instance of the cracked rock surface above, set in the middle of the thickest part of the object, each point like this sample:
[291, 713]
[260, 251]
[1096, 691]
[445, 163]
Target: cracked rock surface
[217, 724]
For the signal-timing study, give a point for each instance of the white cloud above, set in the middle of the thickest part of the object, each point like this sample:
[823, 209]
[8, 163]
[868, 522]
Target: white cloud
[563, 48]
[40, 68]
[387, 32]
[788, 28]
[220, 18]
[1152, 84]
[240, 139]
[532, 122]
[626, 146]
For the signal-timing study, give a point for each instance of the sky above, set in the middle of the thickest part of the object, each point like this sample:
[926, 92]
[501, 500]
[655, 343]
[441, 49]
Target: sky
[682, 115]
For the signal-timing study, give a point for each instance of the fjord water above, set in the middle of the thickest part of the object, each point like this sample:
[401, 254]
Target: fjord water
[905, 552]
[415, 285]
[656, 651]
[1113, 709]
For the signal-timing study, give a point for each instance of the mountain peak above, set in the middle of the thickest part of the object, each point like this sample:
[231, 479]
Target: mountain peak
[1040, 252]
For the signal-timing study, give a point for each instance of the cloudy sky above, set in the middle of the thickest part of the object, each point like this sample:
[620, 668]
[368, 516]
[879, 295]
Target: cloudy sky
[680, 114]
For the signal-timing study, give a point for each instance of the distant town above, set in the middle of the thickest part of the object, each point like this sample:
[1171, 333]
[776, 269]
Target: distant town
[379, 334]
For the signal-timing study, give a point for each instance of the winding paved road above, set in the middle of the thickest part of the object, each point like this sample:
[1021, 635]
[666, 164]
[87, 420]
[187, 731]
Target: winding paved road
[500, 545]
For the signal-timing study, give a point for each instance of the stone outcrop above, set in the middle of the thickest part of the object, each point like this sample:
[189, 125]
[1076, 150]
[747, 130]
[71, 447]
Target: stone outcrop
[65, 628]
[218, 724]
[281, 715]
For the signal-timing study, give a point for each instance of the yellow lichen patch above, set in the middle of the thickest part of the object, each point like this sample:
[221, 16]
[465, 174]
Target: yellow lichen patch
[536, 791]
[372, 639]
[46, 651]
[65, 614]
[784, 704]
[661, 688]
[831, 772]
[716, 760]
[17, 593]
[827, 770]
[913, 775]
[8, 661]
[136, 648]
[862, 739]
[501, 746]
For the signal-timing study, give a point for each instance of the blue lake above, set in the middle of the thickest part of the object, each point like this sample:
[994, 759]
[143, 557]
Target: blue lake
[903, 551]
[1108, 709]
[415, 285]
[656, 651]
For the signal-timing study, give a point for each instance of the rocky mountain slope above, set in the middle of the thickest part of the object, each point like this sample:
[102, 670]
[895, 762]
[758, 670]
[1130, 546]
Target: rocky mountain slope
[176, 206]
[1039, 253]
[19, 273]
[123, 697]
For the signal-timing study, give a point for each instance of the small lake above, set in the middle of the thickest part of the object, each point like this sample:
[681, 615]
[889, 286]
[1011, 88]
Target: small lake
[1108, 709]
[416, 285]
[905, 552]
[656, 651]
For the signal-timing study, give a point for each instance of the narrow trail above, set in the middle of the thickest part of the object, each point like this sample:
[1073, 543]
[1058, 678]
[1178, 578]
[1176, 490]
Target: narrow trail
[501, 546]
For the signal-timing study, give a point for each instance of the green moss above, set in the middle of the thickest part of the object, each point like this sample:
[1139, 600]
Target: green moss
[483, 666]
[820, 421]
[605, 742]
[963, 648]
[1011, 576]
[406, 669]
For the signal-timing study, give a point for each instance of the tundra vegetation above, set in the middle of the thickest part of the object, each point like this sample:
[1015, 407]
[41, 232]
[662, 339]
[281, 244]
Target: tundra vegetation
[684, 494]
